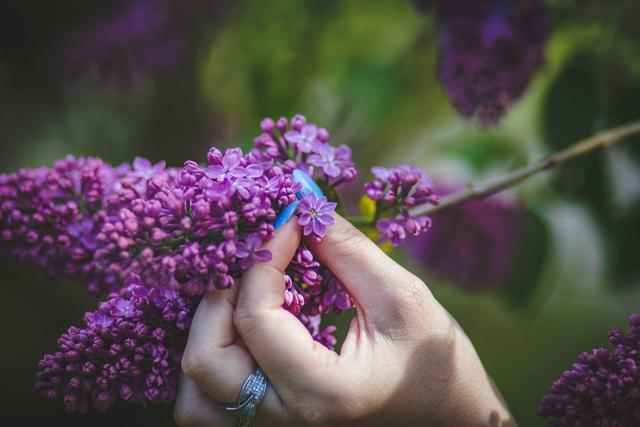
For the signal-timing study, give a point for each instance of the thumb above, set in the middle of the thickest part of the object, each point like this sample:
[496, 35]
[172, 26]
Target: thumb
[278, 341]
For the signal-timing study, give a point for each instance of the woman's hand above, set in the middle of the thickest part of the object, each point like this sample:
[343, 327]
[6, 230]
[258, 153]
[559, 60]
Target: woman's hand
[405, 361]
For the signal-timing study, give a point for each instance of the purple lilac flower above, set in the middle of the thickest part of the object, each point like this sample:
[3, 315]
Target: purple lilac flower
[129, 349]
[489, 51]
[324, 336]
[306, 147]
[325, 158]
[251, 251]
[396, 191]
[602, 388]
[315, 215]
[391, 231]
[471, 245]
[304, 139]
[49, 218]
[311, 289]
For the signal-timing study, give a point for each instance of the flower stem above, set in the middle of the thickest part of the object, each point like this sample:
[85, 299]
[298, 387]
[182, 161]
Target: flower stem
[585, 146]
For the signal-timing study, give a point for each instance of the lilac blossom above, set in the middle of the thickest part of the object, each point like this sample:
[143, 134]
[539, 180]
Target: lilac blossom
[489, 52]
[391, 231]
[315, 215]
[304, 139]
[471, 245]
[129, 349]
[395, 191]
[325, 158]
[306, 147]
[601, 388]
[132, 41]
[251, 251]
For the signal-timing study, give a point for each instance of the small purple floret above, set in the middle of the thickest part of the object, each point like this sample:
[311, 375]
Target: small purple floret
[315, 215]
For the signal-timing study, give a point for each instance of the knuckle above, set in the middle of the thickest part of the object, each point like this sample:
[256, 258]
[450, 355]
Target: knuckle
[245, 320]
[348, 241]
[192, 363]
[415, 292]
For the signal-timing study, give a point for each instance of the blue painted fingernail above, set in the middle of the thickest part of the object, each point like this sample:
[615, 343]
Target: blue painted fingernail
[285, 214]
[307, 186]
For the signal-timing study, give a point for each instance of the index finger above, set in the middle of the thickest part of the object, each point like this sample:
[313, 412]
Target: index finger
[278, 341]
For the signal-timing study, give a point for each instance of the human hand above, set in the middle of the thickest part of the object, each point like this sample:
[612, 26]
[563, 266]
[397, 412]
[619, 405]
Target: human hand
[405, 361]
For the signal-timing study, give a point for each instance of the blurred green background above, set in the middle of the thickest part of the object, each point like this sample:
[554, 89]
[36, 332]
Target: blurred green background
[366, 71]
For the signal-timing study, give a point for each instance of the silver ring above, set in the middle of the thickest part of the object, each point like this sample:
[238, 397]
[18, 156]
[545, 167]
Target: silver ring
[251, 394]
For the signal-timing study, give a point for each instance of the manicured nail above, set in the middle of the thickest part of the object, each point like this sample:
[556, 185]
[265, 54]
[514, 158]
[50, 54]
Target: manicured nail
[307, 186]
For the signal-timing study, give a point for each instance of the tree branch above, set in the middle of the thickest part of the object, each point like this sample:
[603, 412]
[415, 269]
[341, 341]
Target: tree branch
[601, 139]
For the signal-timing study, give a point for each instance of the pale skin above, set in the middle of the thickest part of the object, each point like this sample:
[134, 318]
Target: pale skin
[405, 360]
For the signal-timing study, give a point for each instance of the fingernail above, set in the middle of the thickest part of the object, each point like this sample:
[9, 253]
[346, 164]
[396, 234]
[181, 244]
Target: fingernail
[285, 214]
[307, 186]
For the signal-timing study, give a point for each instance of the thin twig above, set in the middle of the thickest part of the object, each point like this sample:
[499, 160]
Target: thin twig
[601, 139]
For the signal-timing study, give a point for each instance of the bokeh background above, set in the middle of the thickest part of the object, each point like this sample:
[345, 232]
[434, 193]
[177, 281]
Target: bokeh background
[167, 79]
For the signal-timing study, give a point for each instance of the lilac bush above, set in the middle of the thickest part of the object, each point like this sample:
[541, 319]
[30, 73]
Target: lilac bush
[157, 239]
[602, 388]
[488, 51]
[129, 42]
[472, 245]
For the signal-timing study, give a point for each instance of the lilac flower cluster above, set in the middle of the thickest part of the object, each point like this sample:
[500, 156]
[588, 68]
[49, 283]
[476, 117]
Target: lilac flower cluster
[311, 289]
[305, 146]
[396, 191]
[200, 232]
[602, 388]
[489, 51]
[472, 245]
[159, 238]
[49, 218]
[196, 229]
[129, 349]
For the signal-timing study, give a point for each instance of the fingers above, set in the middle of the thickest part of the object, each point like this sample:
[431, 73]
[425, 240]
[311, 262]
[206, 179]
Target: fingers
[194, 408]
[281, 345]
[379, 285]
[212, 358]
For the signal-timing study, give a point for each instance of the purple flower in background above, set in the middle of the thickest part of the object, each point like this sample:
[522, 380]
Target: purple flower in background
[305, 139]
[251, 251]
[127, 42]
[126, 45]
[602, 388]
[489, 51]
[315, 215]
[471, 245]
[325, 158]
